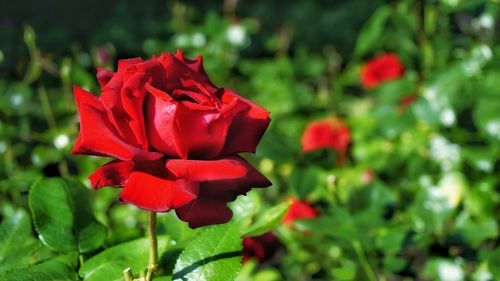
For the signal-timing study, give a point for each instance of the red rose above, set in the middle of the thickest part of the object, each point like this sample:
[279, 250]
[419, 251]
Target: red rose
[261, 247]
[299, 210]
[326, 134]
[174, 136]
[380, 69]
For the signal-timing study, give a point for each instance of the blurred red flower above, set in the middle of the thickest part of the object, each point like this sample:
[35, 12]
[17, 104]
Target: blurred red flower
[175, 137]
[261, 247]
[329, 133]
[381, 69]
[367, 176]
[299, 210]
[407, 100]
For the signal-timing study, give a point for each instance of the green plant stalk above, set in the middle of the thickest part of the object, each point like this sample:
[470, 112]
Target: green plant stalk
[363, 260]
[127, 274]
[153, 246]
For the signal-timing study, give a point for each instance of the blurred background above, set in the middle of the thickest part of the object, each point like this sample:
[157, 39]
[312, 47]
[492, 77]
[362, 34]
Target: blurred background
[404, 184]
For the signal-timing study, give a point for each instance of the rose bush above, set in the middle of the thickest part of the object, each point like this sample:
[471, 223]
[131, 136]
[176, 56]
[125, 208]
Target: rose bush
[175, 137]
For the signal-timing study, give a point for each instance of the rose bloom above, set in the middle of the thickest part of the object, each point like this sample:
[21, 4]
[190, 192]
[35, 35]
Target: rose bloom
[329, 133]
[174, 137]
[299, 210]
[381, 69]
[261, 247]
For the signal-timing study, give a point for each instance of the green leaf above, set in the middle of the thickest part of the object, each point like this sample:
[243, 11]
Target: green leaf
[304, 180]
[16, 243]
[214, 255]
[269, 220]
[109, 264]
[53, 270]
[246, 207]
[372, 30]
[63, 217]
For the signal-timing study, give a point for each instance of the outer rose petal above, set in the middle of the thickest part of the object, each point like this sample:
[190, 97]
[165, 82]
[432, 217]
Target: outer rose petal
[246, 128]
[116, 173]
[157, 194]
[97, 136]
[210, 205]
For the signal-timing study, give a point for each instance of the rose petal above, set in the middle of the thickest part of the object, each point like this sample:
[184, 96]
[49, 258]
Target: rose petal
[210, 206]
[123, 64]
[207, 209]
[116, 173]
[104, 75]
[157, 194]
[246, 128]
[97, 135]
[161, 126]
[112, 101]
[202, 132]
[208, 170]
[176, 69]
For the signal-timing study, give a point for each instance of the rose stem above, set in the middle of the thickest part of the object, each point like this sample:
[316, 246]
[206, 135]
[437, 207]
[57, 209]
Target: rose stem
[127, 274]
[153, 246]
[363, 260]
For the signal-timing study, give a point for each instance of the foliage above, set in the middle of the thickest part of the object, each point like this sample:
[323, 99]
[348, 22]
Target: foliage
[415, 199]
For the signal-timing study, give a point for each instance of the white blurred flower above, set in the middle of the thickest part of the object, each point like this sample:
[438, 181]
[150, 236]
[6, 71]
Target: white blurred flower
[16, 100]
[181, 40]
[452, 3]
[437, 201]
[493, 128]
[3, 147]
[485, 21]
[448, 271]
[447, 117]
[35, 159]
[445, 153]
[452, 187]
[61, 141]
[484, 165]
[483, 51]
[198, 40]
[236, 35]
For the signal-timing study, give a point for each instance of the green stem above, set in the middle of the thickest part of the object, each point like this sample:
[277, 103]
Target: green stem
[153, 246]
[364, 261]
[127, 274]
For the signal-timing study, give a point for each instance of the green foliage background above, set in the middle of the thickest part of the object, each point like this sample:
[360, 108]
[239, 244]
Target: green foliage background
[431, 211]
